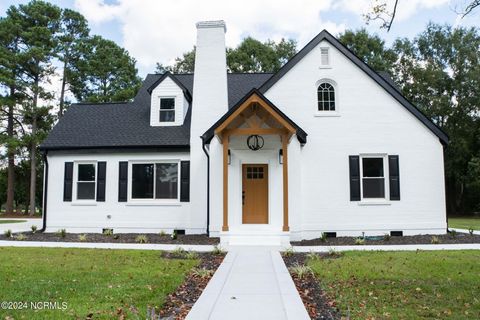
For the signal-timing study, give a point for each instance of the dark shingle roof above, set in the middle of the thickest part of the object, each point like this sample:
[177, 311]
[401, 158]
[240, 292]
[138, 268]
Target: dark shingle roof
[127, 125]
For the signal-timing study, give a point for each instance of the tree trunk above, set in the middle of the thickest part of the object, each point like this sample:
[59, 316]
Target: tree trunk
[33, 151]
[10, 156]
[62, 91]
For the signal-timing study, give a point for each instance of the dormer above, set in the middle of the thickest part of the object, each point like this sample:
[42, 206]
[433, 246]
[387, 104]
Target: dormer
[169, 101]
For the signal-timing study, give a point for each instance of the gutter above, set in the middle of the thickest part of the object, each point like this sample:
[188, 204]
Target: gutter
[208, 185]
[45, 192]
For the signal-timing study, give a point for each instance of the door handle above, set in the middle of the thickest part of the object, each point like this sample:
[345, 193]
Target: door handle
[243, 197]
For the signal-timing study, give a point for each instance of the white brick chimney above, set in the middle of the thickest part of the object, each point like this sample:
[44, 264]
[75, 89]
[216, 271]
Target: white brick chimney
[210, 102]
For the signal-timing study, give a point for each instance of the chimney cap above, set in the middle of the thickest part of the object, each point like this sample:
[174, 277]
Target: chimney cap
[212, 24]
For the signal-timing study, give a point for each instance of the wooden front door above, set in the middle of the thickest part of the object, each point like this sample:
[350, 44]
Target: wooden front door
[254, 193]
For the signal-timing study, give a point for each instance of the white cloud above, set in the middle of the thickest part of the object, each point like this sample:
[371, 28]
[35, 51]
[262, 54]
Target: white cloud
[162, 30]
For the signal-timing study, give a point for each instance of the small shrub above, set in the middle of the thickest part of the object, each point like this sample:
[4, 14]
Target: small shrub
[141, 238]
[453, 233]
[217, 250]
[191, 255]
[435, 240]
[8, 233]
[174, 235]
[179, 252]
[202, 272]
[288, 252]
[301, 271]
[62, 233]
[116, 236]
[82, 237]
[162, 233]
[386, 237]
[108, 232]
[323, 237]
[21, 237]
[334, 253]
[470, 230]
[33, 228]
[313, 256]
[359, 241]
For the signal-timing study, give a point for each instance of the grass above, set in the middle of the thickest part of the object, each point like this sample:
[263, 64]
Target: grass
[464, 222]
[3, 221]
[403, 285]
[105, 283]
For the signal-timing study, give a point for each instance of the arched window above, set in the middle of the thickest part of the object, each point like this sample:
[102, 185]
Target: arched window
[326, 97]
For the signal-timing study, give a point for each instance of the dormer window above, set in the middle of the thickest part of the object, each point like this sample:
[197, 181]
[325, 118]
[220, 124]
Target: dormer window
[167, 109]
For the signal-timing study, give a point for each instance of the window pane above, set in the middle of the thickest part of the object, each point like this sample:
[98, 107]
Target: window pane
[142, 181]
[166, 181]
[86, 190]
[167, 116]
[326, 97]
[374, 188]
[167, 104]
[86, 172]
[372, 167]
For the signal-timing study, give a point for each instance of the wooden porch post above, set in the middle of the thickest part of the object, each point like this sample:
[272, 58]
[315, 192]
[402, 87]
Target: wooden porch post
[285, 182]
[225, 183]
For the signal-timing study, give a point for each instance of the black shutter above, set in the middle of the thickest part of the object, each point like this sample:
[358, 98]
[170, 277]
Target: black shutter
[67, 181]
[101, 176]
[122, 181]
[394, 178]
[185, 181]
[354, 164]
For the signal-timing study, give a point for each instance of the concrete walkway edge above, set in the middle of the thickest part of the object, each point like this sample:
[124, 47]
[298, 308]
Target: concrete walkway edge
[405, 247]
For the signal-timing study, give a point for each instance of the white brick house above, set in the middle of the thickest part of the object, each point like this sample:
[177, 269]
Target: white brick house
[324, 145]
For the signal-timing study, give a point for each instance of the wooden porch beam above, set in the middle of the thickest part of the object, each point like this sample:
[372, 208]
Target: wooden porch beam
[250, 131]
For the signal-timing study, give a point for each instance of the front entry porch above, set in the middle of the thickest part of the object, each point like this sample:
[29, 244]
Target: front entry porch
[253, 139]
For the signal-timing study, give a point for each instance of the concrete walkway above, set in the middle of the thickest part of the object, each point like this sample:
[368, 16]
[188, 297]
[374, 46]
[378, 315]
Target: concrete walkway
[251, 283]
[20, 226]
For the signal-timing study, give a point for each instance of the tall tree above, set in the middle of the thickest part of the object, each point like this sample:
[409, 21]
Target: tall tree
[250, 55]
[105, 72]
[440, 71]
[73, 30]
[39, 22]
[9, 49]
[370, 48]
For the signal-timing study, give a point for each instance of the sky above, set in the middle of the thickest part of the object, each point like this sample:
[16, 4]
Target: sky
[160, 30]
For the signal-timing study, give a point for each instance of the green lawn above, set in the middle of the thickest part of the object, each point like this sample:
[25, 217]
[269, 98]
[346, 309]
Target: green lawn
[404, 285]
[105, 283]
[3, 221]
[464, 222]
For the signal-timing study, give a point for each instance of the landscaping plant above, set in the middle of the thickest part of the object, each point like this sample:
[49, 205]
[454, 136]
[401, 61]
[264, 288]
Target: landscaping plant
[8, 233]
[141, 239]
[33, 228]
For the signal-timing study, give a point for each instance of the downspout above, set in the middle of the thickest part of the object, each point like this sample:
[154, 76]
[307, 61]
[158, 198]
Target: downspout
[45, 192]
[208, 185]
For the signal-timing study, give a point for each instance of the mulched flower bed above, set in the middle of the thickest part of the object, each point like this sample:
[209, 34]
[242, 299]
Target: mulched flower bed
[179, 303]
[116, 238]
[418, 239]
[318, 305]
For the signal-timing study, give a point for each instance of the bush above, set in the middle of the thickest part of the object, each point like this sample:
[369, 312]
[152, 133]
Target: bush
[162, 233]
[470, 230]
[108, 232]
[21, 237]
[453, 233]
[387, 237]
[33, 228]
[191, 255]
[174, 235]
[202, 272]
[334, 253]
[313, 256]
[8, 233]
[323, 237]
[217, 250]
[82, 237]
[179, 252]
[301, 271]
[62, 233]
[288, 252]
[359, 241]
[435, 240]
[141, 239]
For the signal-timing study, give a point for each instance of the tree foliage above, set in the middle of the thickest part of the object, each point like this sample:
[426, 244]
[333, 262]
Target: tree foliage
[250, 55]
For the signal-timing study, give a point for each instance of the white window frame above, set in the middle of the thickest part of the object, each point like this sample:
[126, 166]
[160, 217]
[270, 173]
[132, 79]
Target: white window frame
[77, 201]
[174, 98]
[153, 201]
[327, 113]
[329, 57]
[386, 175]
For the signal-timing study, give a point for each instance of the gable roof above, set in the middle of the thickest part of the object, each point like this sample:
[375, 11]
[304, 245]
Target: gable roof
[127, 124]
[385, 84]
[209, 134]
